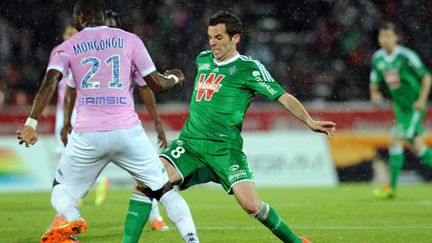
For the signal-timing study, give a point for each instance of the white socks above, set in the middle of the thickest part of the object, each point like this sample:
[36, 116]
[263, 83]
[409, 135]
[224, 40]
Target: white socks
[64, 203]
[179, 213]
[154, 213]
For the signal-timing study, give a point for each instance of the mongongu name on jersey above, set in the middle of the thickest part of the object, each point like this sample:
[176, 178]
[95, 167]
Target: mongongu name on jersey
[98, 45]
[103, 100]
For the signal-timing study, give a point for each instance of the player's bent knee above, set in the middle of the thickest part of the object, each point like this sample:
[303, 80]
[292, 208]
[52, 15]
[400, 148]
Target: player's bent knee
[155, 194]
[419, 145]
[262, 213]
[252, 207]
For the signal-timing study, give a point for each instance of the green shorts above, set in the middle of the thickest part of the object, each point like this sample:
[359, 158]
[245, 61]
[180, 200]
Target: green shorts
[408, 124]
[201, 161]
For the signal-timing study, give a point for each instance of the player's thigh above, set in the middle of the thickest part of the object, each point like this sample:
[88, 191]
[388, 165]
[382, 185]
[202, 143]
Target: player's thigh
[81, 163]
[188, 165]
[173, 175]
[135, 154]
[230, 166]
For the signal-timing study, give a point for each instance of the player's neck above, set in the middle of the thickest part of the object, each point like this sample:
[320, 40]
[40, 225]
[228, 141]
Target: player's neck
[94, 23]
[390, 50]
[228, 57]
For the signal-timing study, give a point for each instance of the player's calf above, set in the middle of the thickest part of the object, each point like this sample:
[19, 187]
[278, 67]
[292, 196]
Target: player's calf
[271, 219]
[177, 210]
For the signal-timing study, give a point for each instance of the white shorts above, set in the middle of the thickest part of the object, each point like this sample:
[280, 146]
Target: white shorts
[58, 127]
[87, 153]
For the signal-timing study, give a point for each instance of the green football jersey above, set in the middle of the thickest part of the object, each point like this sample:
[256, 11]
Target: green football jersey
[402, 72]
[222, 94]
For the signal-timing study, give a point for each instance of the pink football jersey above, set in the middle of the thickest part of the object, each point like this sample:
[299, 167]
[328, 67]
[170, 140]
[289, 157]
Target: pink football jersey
[102, 61]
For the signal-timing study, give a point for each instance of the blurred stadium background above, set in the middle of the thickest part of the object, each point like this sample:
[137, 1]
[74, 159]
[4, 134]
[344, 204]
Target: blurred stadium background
[319, 51]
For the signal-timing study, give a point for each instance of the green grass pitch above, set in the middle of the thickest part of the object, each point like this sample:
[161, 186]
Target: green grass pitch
[347, 213]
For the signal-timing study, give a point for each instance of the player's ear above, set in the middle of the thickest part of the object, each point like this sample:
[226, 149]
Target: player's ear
[236, 38]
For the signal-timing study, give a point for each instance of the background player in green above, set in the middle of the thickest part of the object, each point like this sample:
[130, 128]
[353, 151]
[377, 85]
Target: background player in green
[209, 147]
[409, 83]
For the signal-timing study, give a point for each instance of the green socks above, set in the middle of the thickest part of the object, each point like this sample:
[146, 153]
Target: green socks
[396, 161]
[426, 157]
[136, 218]
[271, 219]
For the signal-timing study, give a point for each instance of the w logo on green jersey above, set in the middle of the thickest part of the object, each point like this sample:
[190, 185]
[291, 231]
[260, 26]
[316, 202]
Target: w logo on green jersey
[208, 86]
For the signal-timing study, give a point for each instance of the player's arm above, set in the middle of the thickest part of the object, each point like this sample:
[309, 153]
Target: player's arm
[149, 100]
[375, 79]
[421, 102]
[27, 134]
[375, 94]
[292, 105]
[69, 104]
[158, 82]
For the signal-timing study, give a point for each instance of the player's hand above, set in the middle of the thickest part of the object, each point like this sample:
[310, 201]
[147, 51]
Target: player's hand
[27, 135]
[376, 98]
[326, 127]
[178, 73]
[64, 133]
[420, 104]
[162, 141]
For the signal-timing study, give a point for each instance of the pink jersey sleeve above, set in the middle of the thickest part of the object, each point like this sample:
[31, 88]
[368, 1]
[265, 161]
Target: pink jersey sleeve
[141, 58]
[59, 60]
[138, 79]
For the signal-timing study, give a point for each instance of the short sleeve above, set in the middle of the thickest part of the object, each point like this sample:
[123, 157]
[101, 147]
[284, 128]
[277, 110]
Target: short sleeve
[59, 60]
[138, 79]
[260, 81]
[416, 63]
[141, 58]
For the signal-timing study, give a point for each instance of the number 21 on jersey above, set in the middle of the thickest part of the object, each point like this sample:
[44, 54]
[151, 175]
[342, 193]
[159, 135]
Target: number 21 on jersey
[113, 61]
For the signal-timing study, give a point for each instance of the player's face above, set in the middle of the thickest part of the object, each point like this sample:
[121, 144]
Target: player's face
[222, 45]
[387, 39]
[69, 32]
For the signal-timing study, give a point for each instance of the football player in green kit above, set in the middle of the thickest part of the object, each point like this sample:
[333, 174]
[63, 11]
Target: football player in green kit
[209, 147]
[409, 83]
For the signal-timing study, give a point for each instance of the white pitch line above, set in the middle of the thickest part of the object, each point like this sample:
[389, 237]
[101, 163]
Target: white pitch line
[376, 227]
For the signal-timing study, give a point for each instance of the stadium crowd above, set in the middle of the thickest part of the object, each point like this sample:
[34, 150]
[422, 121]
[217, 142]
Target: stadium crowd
[318, 50]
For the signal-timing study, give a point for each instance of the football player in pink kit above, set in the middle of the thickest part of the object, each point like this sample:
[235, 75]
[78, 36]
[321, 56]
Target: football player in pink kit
[107, 127]
[112, 19]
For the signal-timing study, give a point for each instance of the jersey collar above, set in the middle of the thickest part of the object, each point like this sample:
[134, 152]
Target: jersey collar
[389, 58]
[96, 27]
[232, 59]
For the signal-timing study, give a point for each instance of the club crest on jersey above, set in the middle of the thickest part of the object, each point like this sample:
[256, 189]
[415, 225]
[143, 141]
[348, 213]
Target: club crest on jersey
[207, 86]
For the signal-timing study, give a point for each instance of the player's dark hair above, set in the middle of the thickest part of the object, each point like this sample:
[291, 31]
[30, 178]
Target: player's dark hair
[114, 15]
[232, 23]
[91, 8]
[389, 26]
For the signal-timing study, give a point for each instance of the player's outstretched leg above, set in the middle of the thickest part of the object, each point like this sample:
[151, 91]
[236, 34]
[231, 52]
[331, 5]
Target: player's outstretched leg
[137, 215]
[396, 160]
[157, 222]
[247, 196]
[71, 223]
